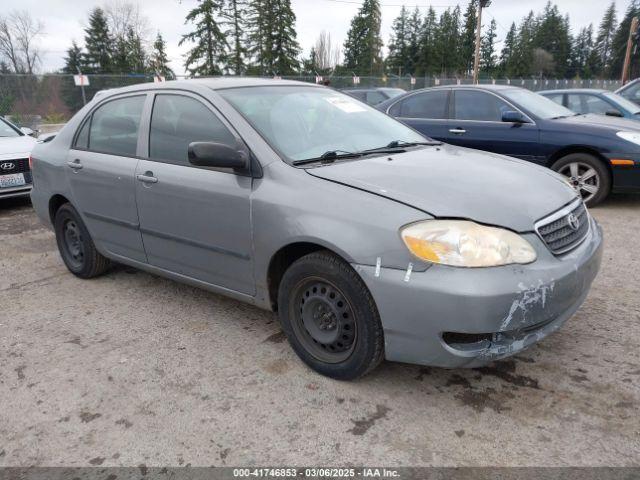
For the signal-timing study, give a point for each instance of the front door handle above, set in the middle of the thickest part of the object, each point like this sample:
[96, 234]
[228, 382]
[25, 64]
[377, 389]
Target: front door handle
[76, 165]
[147, 178]
[458, 131]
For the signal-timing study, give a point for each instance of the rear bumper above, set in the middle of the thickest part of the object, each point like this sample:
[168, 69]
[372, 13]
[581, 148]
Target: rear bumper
[506, 309]
[21, 191]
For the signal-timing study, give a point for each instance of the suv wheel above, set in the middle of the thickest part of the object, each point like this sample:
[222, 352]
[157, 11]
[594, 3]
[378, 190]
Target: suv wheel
[75, 245]
[587, 175]
[330, 317]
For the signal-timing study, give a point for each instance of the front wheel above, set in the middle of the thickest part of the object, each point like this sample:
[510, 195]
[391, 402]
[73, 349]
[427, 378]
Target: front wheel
[330, 317]
[587, 175]
[76, 248]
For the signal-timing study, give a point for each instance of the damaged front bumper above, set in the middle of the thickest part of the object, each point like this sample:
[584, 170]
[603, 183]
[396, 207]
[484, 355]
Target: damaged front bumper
[466, 317]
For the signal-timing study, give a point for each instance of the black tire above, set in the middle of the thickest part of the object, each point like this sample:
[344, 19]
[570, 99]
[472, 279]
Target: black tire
[330, 317]
[583, 162]
[76, 248]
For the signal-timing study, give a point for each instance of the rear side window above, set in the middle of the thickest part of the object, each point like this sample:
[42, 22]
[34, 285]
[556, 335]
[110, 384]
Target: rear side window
[114, 127]
[556, 98]
[177, 121]
[479, 106]
[431, 105]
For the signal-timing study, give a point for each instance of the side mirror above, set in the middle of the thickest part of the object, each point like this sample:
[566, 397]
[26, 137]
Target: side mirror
[212, 154]
[613, 113]
[512, 116]
[28, 131]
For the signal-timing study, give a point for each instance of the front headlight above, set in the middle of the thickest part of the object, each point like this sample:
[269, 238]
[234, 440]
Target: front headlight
[461, 243]
[633, 137]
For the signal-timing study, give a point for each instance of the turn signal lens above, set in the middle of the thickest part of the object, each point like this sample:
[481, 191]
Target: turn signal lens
[460, 243]
[30, 162]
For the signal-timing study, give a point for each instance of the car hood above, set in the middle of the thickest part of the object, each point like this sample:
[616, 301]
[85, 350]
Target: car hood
[603, 122]
[11, 145]
[454, 182]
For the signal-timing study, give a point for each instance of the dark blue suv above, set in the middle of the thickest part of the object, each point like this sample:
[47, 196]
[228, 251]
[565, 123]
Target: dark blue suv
[597, 154]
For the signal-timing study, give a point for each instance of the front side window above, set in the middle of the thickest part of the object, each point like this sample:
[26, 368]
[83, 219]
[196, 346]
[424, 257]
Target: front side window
[535, 104]
[594, 104]
[177, 121]
[632, 93]
[429, 105]
[479, 106]
[305, 122]
[114, 126]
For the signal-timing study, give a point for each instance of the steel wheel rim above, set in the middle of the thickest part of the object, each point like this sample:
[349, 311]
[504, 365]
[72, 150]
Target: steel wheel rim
[323, 320]
[73, 245]
[583, 178]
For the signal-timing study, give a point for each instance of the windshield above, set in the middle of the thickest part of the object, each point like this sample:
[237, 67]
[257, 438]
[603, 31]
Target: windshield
[306, 122]
[6, 130]
[537, 104]
[623, 102]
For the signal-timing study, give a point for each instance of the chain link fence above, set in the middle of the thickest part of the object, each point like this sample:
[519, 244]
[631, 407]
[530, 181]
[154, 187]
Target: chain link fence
[43, 102]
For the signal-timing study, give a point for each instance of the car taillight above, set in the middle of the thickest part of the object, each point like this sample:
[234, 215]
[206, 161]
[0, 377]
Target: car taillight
[30, 162]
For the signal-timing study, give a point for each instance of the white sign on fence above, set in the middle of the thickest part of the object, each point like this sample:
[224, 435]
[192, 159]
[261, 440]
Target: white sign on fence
[81, 80]
[356, 80]
[158, 79]
[318, 79]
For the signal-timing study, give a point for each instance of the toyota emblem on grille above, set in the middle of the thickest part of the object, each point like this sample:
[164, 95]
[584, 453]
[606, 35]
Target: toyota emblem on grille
[573, 221]
[7, 166]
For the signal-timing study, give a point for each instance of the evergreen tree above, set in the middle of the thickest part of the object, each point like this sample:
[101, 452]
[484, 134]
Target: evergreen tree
[522, 58]
[508, 51]
[97, 42]
[487, 49]
[447, 41]
[120, 55]
[233, 15]
[137, 54]
[619, 43]
[552, 35]
[159, 62]
[209, 51]
[285, 45]
[468, 40]
[258, 36]
[427, 54]
[398, 60]
[414, 32]
[604, 40]
[362, 49]
[73, 60]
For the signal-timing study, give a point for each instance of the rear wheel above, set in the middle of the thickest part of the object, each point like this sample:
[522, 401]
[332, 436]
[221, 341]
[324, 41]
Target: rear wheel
[76, 248]
[587, 175]
[330, 317]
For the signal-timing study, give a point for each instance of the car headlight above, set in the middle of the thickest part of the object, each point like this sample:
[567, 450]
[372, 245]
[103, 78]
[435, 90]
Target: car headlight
[461, 243]
[633, 137]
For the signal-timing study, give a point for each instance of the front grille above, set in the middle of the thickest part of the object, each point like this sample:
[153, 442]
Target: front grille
[19, 165]
[557, 232]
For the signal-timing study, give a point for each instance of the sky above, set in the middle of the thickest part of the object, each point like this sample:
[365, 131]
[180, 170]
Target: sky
[65, 19]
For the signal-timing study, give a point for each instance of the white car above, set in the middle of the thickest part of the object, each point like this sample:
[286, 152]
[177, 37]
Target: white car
[15, 148]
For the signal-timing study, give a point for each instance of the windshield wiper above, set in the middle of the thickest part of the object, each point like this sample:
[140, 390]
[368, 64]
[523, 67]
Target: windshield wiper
[329, 157]
[402, 143]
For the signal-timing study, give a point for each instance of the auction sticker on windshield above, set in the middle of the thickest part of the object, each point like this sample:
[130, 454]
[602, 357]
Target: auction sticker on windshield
[345, 104]
[13, 180]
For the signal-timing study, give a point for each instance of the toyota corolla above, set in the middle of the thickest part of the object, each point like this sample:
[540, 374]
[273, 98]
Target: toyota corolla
[369, 240]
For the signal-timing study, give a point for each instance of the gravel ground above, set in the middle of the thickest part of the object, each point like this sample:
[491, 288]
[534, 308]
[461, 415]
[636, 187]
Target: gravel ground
[131, 369]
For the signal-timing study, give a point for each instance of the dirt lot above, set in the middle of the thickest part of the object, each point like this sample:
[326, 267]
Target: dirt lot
[132, 369]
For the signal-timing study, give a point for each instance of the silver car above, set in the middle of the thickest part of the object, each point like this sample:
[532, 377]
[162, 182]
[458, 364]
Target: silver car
[369, 240]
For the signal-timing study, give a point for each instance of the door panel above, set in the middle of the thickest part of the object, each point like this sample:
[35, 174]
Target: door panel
[103, 183]
[477, 123]
[197, 222]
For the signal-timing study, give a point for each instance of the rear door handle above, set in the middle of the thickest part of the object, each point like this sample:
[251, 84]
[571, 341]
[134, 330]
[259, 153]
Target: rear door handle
[76, 165]
[147, 178]
[457, 131]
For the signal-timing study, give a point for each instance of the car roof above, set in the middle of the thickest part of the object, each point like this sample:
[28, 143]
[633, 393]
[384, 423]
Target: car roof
[478, 87]
[574, 90]
[214, 83]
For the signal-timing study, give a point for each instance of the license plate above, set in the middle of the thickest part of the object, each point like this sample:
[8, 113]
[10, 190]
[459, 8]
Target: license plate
[13, 180]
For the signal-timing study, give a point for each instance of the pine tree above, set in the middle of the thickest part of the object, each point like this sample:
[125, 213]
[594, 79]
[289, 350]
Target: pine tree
[398, 59]
[414, 31]
[234, 19]
[508, 50]
[619, 42]
[120, 55]
[137, 54]
[604, 40]
[427, 56]
[362, 49]
[97, 42]
[285, 46]
[73, 60]
[159, 62]
[209, 51]
[487, 49]
[552, 35]
[523, 51]
[468, 40]
[447, 41]
[258, 36]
